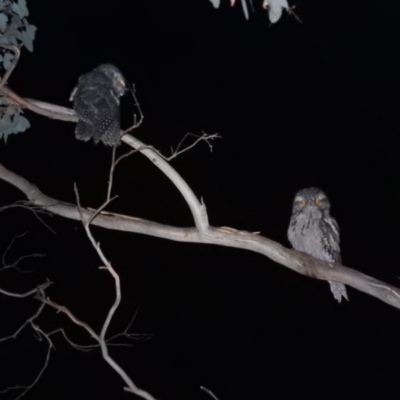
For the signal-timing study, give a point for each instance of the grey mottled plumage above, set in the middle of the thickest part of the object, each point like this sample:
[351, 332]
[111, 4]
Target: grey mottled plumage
[96, 101]
[313, 231]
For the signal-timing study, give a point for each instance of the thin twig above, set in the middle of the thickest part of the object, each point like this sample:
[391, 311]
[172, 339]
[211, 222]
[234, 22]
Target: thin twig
[30, 293]
[73, 344]
[204, 137]
[111, 174]
[136, 124]
[10, 245]
[15, 263]
[291, 12]
[36, 210]
[114, 163]
[132, 387]
[125, 333]
[209, 392]
[100, 209]
[27, 322]
[245, 10]
[96, 213]
[46, 362]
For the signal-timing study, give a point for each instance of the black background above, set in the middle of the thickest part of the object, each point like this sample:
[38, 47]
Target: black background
[297, 105]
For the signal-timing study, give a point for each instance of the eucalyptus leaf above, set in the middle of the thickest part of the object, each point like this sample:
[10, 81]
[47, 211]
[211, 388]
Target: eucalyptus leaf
[275, 8]
[5, 126]
[27, 37]
[13, 40]
[20, 8]
[4, 101]
[3, 22]
[11, 110]
[21, 124]
[216, 3]
[27, 41]
[7, 60]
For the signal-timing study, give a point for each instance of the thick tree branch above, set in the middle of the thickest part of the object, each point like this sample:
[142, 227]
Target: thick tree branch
[296, 261]
[203, 233]
[39, 107]
[65, 114]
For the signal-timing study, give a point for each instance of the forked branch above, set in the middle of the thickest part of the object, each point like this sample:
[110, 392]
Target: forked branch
[202, 233]
[100, 338]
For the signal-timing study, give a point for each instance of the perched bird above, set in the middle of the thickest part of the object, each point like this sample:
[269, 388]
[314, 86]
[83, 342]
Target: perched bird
[313, 231]
[96, 102]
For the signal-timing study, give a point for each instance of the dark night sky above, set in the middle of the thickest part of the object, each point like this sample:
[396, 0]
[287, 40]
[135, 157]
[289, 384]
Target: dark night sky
[297, 105]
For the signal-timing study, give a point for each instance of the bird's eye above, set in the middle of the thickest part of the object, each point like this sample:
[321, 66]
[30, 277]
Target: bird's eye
[118, 82]
[317, 201]
[303, 201]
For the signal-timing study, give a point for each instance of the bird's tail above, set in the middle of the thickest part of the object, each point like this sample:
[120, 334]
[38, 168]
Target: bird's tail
[338, 290]
[84, 131]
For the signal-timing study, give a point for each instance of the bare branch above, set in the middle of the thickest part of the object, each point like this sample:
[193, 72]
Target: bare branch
[29, 321]
[136, 123]
[209, 392]
[204, 137]
[35, 210]
[73, 344]
[245, 10]
[114, 163]
[10, 245]
[198, 209]
[40, 107]
[131, 386]
[111, 174]
[27, 294]
[46, 362]
[136, 336]
[203, 233]
[107, 266]
[296, 261]
[15, 263]
[100, 209]
[17, 53]
[299, 262]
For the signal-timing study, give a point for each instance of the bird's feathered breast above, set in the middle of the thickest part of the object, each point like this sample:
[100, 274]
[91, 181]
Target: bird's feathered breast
[313, 233]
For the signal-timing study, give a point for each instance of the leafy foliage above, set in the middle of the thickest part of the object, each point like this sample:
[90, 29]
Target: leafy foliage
[16, 31]
[274, 7]
[11, 120]
[14, 27]
[215, 3]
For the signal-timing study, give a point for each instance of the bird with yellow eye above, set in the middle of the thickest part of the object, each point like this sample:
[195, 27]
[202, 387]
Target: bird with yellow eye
[312, 230]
